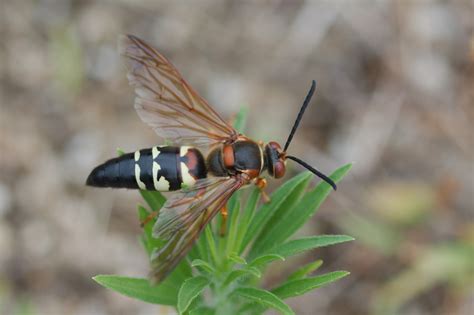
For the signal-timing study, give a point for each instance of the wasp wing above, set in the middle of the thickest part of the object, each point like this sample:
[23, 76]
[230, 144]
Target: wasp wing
[184, 216]
[166, 102]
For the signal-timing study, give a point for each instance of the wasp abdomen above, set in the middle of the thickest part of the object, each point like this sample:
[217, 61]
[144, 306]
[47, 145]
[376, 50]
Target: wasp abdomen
[163, 168]
[116, 173]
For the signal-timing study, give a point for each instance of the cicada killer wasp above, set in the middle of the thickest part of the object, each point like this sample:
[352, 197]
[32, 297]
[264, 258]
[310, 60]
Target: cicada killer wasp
[203, 183]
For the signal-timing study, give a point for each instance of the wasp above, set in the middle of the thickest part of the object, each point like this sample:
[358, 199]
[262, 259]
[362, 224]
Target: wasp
[207, 161]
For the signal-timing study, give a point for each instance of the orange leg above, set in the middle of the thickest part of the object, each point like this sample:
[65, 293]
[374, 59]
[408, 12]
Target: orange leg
[224, 214]
[150, 217]
[261, 183]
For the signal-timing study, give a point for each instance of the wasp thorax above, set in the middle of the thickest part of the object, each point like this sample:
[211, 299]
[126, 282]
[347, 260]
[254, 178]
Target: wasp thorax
[275, 159]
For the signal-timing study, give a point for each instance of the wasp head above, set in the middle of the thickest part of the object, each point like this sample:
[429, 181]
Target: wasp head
[275, 159]
[275, 156]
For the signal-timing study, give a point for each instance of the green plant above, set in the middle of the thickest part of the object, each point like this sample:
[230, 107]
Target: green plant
[222, 275]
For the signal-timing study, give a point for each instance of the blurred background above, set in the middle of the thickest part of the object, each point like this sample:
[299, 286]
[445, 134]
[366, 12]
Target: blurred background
[395, 96]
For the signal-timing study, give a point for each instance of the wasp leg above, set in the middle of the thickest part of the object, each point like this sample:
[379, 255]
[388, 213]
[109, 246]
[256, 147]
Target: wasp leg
[224, 214]
[149, 217]
[261, 183]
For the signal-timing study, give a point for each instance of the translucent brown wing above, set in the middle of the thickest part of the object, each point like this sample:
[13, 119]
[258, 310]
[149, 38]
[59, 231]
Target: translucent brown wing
[184, 216]
[167, 102]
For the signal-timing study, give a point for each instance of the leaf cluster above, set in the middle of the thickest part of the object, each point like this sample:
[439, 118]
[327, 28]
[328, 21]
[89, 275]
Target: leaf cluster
[223, 274]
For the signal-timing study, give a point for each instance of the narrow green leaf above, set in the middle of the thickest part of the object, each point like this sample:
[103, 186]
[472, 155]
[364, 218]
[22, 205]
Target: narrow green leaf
[221, 245]
[280, 214]
[120, 151]
[237, 259]
[202, 264]
[154, 199]
[233, 225]
[264, 297]
[267, 210]
[144, 244]
[265, 259]
[140, 289]
[194, 252]
[234, 275]
[142, 213]
[222, 241]
[201, 250]
[305, 270]
[190, 289]
[294, 219]
[297, 246]
[233, 201]
[202, 310]
[241, 120]
[237, 273]
[245, 219]
[254, 271]
[182, 272]
[211, 244]
[251, 308]
[301, 286]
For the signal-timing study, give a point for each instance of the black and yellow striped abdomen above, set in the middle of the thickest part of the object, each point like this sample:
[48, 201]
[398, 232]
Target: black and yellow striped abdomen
[163, 168]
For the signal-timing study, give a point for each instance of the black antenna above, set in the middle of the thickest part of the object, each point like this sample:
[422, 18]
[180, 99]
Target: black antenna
[300, 114]
[314, 171]
[292, 133]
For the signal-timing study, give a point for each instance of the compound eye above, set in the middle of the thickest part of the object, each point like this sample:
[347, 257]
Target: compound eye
[279, 169]
[275, 145]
